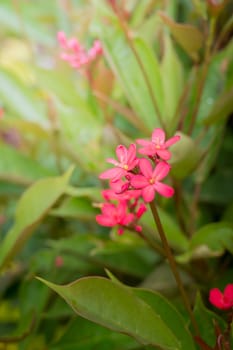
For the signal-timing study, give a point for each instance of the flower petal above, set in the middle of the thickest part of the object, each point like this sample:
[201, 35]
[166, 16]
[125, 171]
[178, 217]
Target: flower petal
[113, 173]
[131, 153]
[143, 142]
[139, 181]
[228, 292]
[216, 297]
[122, 209]
[127, 219]
[121, 152]
[163, 189]
[163, 154]
[105, 220]
[113, 161]
[161, 170]
[172, 140]
[146, 168]
[158, 136]
[148, 194]
[149, 150]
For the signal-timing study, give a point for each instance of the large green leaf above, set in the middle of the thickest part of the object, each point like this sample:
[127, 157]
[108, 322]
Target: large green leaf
[32, 207]
[169, 315]
[116, 307]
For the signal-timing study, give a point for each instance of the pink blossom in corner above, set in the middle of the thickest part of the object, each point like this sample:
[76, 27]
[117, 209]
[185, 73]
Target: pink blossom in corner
[1, 112]
[157, 146]
[113, 215]
[221, 300]
[149, 180]
[59, 262]
[74, 53]
[127, 161]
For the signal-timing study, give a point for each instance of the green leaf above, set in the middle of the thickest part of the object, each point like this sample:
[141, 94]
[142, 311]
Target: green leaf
[18, 168]
[130, 257]
[186, 35]
[129, 73]
[76, 208]
[205, 320]
[221, 109]
[210, 241]
[169, 315]
[116, 307]
[218, 237]
[82, 334]
[185, 156]
[32, 207]
[11, 20]
[26, 105]
[173, 82]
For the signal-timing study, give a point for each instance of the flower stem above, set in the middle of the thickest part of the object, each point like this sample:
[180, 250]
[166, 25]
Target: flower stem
[173, 265]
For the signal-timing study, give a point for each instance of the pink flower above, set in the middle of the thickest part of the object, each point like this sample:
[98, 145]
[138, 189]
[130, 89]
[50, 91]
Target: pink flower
[157, 146]
[113, 215]
[221, 300]
[109, 194]
[75, 54]
[127, 162]
[1, 112]
[149, 181]
[59, 262]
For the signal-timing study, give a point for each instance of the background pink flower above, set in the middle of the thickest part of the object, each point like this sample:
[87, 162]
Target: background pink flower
[75, 54]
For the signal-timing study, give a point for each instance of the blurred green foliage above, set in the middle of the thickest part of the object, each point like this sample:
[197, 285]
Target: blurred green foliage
[169, 65]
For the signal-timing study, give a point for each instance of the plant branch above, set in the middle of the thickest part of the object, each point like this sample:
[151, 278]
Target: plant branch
[194, 207]
[178, 204]
[18, 338]
[173, 265]
[203, 74]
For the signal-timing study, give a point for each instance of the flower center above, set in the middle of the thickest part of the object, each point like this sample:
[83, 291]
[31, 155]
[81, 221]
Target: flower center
[152, 181]
[125, 166]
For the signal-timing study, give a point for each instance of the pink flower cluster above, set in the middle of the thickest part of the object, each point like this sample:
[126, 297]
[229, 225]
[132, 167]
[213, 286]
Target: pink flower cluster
[223, 301]
[74, 53]
[134, 181]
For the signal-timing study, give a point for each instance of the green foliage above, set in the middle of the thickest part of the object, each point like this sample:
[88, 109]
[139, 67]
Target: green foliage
[32, 207]
[115, 307]
[165, 64]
